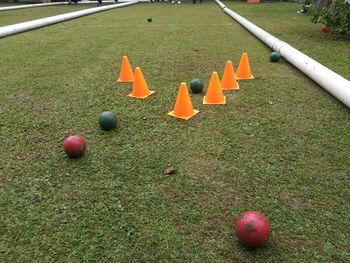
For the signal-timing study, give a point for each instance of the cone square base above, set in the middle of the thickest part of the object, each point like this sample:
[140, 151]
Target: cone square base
[232, 89]
[137, 97]
[251, 77]
[210, 103]
[184, 118]
[125, 81]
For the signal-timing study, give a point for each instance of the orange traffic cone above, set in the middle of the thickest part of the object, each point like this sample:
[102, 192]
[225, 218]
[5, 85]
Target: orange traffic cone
[214, 93]
[126, 74]
[139, 88]
[243, 71]
[183, 106]
[229, 81]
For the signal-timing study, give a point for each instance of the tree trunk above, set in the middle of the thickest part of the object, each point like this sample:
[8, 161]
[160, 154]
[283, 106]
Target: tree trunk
[321, 3]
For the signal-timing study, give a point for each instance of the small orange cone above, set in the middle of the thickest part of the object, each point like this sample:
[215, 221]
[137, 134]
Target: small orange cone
[183, 106]
[139, 88]
[229, 81]
[126, 74]
[214, 93]
[243, 71]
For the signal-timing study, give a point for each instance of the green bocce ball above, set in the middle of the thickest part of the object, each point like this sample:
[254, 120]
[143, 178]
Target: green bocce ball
[107, 120]
[196, 86]
[275, 56]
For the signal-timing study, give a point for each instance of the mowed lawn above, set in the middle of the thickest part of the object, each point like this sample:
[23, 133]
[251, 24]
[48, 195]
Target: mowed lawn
[280, 145]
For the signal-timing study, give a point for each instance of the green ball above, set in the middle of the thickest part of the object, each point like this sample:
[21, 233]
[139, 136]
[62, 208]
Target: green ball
[149, 19]
[107, 120]
[196, 86]
[275, 56]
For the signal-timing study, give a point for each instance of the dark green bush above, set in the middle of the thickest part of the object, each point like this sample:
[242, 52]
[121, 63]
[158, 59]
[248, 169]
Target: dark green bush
[336, 17]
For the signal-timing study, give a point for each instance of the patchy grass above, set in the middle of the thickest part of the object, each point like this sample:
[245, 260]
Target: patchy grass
[280, 145]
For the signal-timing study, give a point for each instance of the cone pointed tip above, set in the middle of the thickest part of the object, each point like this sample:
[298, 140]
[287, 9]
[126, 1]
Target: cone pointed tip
[183, 84]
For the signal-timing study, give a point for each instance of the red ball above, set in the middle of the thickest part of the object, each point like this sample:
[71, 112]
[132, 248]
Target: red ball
[325, 29]
[253, 229]
[74, 146]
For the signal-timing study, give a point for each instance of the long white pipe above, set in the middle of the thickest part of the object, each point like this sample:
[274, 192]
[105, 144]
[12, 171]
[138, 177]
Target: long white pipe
[15, 7]
[25, 26]
[7, 8]
[107, 2]
[335, 84]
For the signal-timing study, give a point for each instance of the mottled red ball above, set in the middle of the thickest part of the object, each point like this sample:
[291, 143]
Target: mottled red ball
[253, 229]
[74, 146]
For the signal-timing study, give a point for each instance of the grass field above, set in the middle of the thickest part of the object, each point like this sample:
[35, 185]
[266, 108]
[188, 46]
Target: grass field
[280, 145]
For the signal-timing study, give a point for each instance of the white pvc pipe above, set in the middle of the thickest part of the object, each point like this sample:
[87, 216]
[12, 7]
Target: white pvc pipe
[107, 2]
[335, 84]
[220, 4]
[25, 26]
[7, 8]
[15, 7]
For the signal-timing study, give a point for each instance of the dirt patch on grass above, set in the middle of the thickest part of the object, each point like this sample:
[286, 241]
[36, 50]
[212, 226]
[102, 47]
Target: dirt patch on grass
[295, 203]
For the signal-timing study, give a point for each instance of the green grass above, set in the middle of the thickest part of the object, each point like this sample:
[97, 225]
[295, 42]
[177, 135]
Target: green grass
[280, 145]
